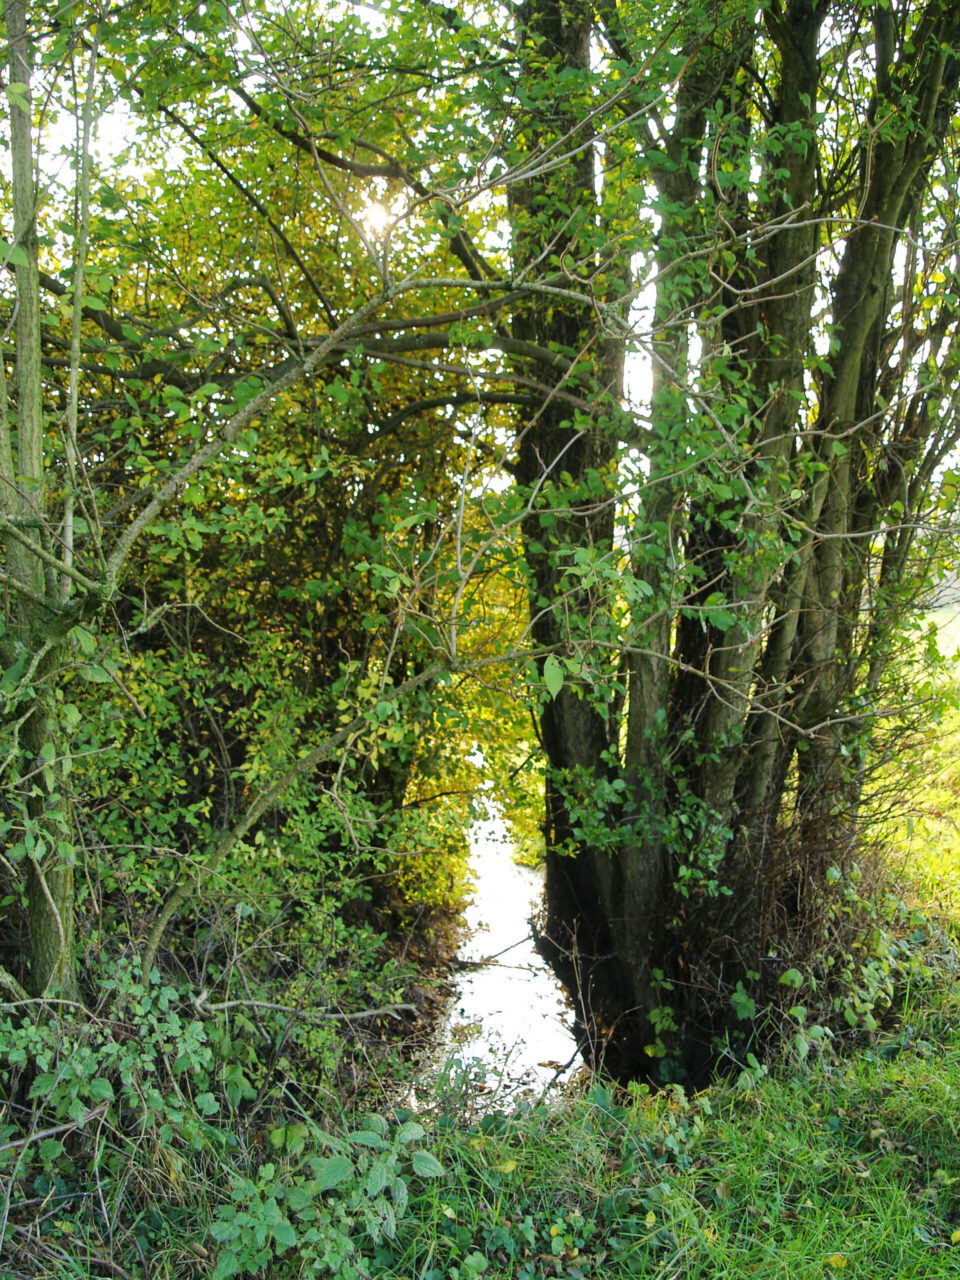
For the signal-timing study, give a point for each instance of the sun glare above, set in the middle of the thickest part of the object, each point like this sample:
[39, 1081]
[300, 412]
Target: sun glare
[377, 218]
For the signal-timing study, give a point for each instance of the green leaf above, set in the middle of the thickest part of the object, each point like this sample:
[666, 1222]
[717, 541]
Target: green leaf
[95, 673]
[11, 677]
[228, 1265]
[101, 1090]
[18, 94]
[743, 1004]
[298, 1198]
[330, 1171]
[284, 1234]
[225, 1230]
[427, 1166]
[85, 641]
[13, 253]
[377, 1178]
[365, 1138]
[553, 675]
[389, 1222]
[400, 1194]
[792, 978]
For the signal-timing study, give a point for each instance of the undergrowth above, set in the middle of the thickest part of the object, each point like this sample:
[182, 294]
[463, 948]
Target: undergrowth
[176, 1131]
[128, 1148]
[821, 1168]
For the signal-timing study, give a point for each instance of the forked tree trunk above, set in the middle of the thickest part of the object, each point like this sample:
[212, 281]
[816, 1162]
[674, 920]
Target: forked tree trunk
[729, 776]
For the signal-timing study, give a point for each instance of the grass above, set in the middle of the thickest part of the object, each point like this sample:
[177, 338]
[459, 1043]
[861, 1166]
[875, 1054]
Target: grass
[849, 1170]
[924, 827]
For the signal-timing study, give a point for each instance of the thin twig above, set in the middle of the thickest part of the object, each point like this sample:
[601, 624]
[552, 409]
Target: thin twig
[57, 1128]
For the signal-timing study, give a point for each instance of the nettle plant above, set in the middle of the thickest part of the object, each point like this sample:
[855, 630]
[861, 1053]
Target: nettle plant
[324, 1196]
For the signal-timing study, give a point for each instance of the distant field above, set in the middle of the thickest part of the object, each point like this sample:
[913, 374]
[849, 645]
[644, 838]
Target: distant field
[946, 619]
[922, 829]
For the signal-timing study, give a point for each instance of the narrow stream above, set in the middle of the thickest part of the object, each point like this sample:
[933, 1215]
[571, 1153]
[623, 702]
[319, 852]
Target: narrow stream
[509, 1021]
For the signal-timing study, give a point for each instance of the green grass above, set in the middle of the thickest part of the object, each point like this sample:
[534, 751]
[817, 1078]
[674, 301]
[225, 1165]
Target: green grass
[849, 1170]
[923, 830]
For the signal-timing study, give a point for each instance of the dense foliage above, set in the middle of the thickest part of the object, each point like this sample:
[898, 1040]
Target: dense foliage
[549, 404]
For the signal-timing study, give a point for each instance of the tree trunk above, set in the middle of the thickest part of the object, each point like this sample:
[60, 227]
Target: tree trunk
[33, 645]
[731, 771]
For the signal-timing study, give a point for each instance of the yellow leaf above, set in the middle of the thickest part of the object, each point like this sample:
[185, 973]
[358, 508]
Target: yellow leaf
[836, 1260]
[508, 1166]
[650, 1219]
[955, 1238]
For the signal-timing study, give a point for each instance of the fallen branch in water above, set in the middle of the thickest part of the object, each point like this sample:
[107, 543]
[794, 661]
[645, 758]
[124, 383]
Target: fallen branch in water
[489, 960]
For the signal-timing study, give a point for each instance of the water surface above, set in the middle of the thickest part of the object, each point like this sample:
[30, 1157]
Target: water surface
[508, 1015]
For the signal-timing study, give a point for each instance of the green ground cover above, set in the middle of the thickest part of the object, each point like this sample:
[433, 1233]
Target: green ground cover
[846, 1165]
[851, 1170]
[151, 1141]
[168, 1155]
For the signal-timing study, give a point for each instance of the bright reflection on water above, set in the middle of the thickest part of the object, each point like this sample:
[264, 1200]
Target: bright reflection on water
[510, 1015]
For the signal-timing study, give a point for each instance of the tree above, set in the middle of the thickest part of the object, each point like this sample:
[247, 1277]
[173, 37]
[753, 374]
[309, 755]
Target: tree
[712, 770]
[157, 388]
[752, 200]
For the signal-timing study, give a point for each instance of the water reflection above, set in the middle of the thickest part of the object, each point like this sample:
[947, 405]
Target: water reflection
[509, 1013]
